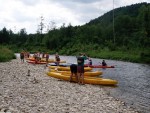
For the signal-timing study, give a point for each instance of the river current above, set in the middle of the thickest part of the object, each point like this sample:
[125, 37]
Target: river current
[133, 81]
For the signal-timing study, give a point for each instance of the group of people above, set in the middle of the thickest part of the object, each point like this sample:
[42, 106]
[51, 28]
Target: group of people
[38, 56]
[78, 70]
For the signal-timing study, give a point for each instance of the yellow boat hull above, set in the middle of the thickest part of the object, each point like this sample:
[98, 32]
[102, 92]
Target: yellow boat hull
[49, 60]
[87, 80]
[44, 60]
[53, 61]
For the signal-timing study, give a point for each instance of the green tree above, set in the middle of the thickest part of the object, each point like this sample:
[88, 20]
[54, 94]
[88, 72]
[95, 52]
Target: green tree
[4, 36]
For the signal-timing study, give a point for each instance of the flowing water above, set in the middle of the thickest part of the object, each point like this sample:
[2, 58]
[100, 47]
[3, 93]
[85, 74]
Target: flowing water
[133, 81]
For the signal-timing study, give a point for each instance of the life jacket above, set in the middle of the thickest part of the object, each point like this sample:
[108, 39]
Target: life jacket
[22, 54]
[47, 55]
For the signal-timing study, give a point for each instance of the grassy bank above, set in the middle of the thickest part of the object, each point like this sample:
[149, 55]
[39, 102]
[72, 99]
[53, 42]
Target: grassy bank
[137, 55]
[130, 56]
[6, 54]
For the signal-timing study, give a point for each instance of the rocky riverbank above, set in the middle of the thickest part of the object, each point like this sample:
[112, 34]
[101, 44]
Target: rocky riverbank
[25, 88]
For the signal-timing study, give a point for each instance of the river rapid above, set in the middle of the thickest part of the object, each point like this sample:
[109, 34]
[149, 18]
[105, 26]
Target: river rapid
[133, 81]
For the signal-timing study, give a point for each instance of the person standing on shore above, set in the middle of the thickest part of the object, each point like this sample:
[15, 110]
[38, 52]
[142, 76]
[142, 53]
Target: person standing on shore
[47, 58]
[57, 58]
[22, 57]
[80, 67]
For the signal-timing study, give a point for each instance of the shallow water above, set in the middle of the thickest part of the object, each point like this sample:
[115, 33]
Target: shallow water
[133, 81]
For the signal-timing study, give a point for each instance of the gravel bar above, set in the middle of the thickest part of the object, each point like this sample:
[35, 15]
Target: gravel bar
[26, 88]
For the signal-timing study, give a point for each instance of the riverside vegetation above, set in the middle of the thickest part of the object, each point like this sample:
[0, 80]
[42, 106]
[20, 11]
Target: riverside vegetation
[128, 39]
[6, 54]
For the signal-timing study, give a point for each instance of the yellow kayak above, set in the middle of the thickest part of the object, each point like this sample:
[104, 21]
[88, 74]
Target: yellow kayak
[49, 60]
[87, 80]
[88, 73]
[53, 61]
[44, 60]
[61, 68]
[61, 61]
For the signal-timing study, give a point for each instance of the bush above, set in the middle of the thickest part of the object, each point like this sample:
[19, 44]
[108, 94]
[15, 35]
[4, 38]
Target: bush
[6, 54]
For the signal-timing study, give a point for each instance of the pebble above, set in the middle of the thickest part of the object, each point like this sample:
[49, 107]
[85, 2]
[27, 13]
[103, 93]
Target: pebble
[25, 88]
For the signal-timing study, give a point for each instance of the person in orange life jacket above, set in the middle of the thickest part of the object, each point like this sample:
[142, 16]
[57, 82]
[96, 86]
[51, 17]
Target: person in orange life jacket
[80, 67]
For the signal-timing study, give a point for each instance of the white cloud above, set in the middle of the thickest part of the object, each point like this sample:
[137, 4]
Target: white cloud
[18, 14]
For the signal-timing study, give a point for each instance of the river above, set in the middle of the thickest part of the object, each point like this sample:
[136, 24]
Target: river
[133, 82]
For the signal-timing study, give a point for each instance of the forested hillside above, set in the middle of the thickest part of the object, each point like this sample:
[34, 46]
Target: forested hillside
[128, 39]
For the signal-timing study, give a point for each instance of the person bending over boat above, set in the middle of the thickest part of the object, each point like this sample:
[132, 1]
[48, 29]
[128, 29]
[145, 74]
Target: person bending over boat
[80, 67]
[73, 68]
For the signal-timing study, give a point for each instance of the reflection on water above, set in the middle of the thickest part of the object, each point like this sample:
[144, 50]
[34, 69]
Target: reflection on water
[134, 81]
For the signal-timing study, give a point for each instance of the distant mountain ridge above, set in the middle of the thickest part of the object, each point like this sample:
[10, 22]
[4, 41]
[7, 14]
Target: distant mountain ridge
[131, 10]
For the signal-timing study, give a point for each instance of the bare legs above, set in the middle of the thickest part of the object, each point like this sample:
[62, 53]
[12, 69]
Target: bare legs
[81, 78]
[72, 74]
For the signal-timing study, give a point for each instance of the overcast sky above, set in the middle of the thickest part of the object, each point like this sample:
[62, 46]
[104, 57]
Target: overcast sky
[18, 14]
